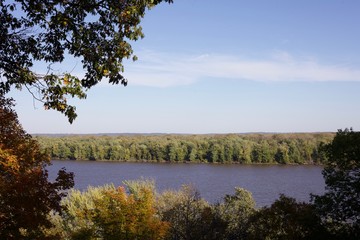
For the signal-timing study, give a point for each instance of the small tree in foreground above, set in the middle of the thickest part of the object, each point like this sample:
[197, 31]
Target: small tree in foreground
[190, 216]
[340, 205]
[111, 213]
[286, 219]
[26, 195]
[236, 211]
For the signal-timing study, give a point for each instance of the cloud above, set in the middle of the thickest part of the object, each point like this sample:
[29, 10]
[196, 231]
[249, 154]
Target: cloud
[164, 70]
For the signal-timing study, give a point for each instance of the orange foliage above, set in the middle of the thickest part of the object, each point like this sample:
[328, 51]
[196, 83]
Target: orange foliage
[128, 216]
[26, 196]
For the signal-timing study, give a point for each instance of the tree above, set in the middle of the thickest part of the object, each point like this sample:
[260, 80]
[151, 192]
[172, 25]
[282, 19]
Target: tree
[112, 213]
[286, 219]
[26, 195]
[96, 32]
[282, 154]
[340, 205]
[190, 216]
[236, 211]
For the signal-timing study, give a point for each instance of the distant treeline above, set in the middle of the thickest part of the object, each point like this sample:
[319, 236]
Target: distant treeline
[294, 148]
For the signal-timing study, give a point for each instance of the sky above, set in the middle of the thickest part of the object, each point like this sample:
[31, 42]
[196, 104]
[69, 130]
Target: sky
[226, 67]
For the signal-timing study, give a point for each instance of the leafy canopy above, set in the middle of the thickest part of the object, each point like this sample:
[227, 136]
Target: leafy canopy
[26, 195]
[112, 213]
[340, 205]
[95, 31]
[286, 219]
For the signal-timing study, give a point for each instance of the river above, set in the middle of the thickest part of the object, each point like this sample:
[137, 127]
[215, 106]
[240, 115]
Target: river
[213, 181]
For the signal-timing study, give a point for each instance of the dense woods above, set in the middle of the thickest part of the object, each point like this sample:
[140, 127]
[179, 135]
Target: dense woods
[136, 211]
[299, 148]
[31, 207]
[98, 32]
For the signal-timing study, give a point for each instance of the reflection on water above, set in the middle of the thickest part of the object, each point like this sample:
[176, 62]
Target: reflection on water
[266, 182]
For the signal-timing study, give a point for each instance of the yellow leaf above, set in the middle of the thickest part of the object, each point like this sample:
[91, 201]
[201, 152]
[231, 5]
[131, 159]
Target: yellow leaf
[66, 80]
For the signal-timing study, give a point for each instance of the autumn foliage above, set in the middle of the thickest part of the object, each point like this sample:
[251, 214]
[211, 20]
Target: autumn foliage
[26, 195]
[111, 213]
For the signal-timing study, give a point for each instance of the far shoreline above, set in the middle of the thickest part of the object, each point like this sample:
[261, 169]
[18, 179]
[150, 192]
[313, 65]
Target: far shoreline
[191, 162]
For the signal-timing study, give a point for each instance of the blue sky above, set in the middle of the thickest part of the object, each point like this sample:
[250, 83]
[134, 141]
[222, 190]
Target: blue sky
[227, 67]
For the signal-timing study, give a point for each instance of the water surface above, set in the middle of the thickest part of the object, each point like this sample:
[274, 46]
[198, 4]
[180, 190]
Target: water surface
[213, 181]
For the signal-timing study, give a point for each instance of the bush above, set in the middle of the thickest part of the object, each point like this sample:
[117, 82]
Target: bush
[111, 213]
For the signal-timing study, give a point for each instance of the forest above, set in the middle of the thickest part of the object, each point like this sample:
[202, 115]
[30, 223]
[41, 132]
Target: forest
[99, 33]
[291, 148]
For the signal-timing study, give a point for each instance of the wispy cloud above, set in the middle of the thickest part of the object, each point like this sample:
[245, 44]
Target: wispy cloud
[164, 70]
